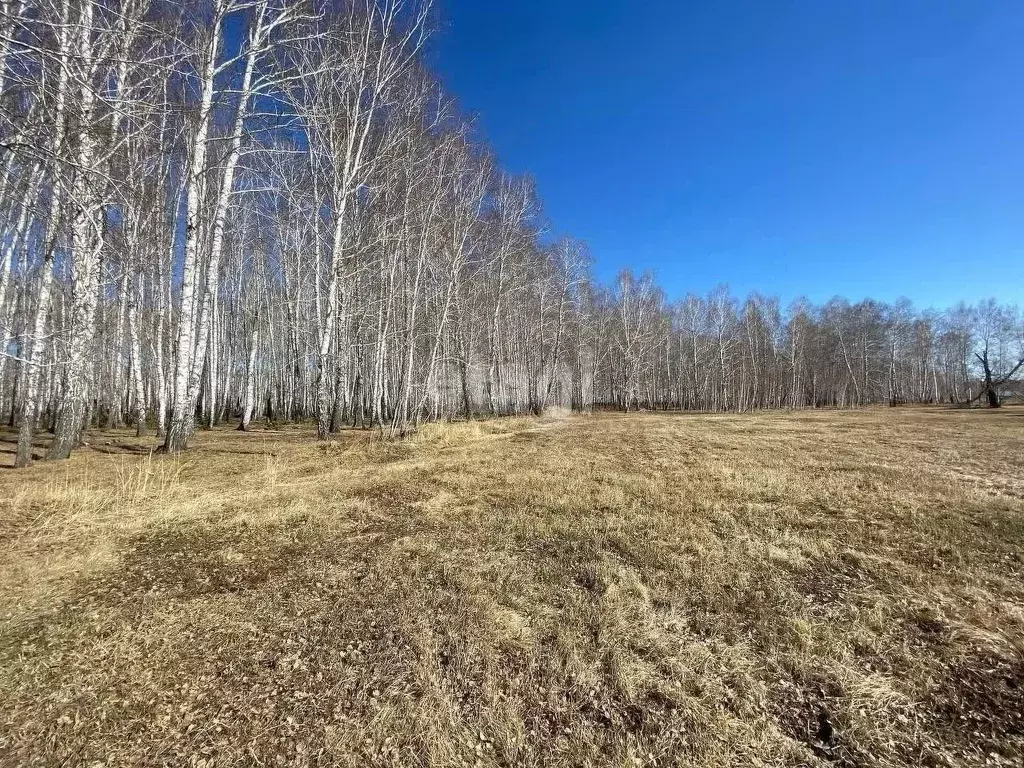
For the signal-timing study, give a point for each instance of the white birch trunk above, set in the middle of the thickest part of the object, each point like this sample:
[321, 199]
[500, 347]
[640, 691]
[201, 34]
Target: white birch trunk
[86, 243]
[250, 382]
[179, 429]
[139, 409]
[36, 340]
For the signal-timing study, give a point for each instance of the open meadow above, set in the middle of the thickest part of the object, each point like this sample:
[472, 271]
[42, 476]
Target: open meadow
[811, 588]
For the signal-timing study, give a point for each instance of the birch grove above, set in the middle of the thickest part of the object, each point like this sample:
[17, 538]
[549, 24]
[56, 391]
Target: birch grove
[266, 211]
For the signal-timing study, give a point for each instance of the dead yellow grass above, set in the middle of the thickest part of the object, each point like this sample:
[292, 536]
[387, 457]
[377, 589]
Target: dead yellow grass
[816, 588]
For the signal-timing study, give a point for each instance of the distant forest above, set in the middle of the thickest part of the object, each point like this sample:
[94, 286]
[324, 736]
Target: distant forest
[237, 209]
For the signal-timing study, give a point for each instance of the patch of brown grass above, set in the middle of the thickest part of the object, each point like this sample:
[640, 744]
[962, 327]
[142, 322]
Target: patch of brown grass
[815, 588]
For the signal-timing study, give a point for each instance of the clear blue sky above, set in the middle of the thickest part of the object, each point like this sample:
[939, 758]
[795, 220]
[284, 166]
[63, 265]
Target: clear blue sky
[814, 147]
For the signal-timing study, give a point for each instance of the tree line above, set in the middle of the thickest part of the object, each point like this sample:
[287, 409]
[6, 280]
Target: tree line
[237, 209]
[718, 353]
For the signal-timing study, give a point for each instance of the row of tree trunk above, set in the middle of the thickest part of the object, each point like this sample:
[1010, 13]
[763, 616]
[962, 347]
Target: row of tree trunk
[234, 209]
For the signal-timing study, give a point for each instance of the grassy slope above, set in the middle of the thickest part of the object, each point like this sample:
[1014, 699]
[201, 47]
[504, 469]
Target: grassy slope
[614, 590]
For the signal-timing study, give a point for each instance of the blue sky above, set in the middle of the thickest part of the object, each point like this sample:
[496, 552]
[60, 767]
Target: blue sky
[869, 148]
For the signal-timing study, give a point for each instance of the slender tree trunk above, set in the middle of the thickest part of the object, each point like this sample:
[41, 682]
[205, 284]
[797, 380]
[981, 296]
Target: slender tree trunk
[250, 382]
[182, 408]
[136, 365]
[87, 242]
[36, 340]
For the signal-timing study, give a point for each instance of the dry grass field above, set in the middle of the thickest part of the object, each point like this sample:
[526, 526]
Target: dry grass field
[812, 588]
